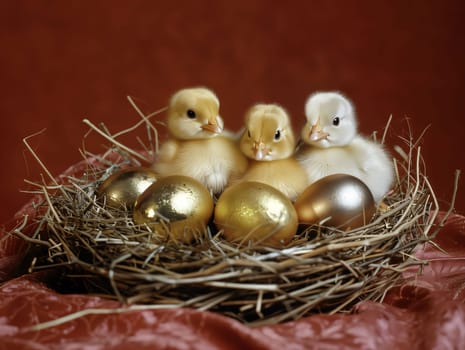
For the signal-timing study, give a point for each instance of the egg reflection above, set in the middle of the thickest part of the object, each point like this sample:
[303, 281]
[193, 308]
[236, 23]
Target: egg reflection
[121, 189]
[338, 200]
[253, 211]
[176, 207]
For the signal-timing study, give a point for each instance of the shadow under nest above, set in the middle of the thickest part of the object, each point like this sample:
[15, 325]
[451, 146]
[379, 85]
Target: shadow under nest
[100, 250]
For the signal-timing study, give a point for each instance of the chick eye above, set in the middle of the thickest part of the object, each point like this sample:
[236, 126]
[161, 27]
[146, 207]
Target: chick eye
[277, 135]
[248, 133]
[190, 114]
[336, 121]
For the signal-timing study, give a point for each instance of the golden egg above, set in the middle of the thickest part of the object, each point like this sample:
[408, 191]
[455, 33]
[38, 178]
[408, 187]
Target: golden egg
[175, 206]
[253, 211]
[122, 188]
[338, 200]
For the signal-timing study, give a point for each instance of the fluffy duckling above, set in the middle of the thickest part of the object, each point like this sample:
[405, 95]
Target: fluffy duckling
[332, 145]
[196, 146]
[269, 142]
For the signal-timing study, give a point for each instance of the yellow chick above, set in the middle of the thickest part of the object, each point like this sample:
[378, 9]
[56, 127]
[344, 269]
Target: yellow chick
[332, 145]
[269, 142]
[196, 146]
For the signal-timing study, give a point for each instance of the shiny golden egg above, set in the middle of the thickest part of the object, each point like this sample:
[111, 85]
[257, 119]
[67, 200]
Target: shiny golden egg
[121, 189]
[338, 200]
[256, 212]
[175, 207]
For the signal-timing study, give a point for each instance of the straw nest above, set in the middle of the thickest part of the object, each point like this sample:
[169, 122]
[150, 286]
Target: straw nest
[321, 270]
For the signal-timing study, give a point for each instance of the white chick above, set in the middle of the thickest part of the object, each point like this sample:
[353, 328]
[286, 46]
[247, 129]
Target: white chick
[332, 145]
[268, 140]
[196, 146]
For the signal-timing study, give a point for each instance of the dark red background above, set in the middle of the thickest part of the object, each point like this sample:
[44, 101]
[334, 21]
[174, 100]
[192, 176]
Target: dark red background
[62, 61]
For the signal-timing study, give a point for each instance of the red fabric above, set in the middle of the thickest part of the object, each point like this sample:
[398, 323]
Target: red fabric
[427, 312]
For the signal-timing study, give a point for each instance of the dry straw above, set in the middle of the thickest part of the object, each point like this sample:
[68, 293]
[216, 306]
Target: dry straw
[322, 269]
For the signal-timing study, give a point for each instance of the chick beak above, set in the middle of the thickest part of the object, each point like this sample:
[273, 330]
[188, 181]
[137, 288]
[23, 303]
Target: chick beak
[212, 126]
[316, 132]
[259, 150]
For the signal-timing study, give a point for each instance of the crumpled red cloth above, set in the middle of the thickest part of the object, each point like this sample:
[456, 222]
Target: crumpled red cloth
[426, 312]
